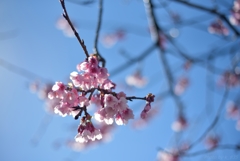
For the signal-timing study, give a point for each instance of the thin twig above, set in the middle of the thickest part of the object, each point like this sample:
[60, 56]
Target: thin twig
[219, 147]
[101, 59]
[65, 15]
[21, 71]
[131, 62]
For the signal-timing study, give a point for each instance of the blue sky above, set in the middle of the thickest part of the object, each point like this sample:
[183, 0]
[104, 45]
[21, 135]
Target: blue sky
[35, 44]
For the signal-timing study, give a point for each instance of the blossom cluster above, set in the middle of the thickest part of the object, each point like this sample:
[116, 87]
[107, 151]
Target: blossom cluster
[91, 85]
[86, 131]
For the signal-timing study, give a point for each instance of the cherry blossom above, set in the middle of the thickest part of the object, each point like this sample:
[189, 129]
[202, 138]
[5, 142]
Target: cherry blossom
[149, 100]
[180, 124]
[235, 17]
[233, 111]
[136, 79]
[217, 27]
[165, 156]
[86, 132]
[229, 78]
[90, 85]
[181, 85]
[63, 25]
[111, 39]
[212, 141]
[145, 117]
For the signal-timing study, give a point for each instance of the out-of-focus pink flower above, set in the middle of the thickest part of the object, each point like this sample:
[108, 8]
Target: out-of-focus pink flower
[164, 156]
[217, 27]
[34, 86]
[233, 111]
[63, 25]
[180, 124]
[145, 111]
[136, 79]
[111, 39]
[235, 17]
[187, 65]
[181, 85]
[143, 121]
[149, 100]
[106, 131]
[230, 79]
[212, 141]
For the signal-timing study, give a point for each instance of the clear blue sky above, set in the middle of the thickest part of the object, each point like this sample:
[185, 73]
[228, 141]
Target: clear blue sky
[34, 43]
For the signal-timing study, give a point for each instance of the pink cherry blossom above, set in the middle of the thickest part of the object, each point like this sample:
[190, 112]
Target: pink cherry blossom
[235, 17]
[105, 114]
[58, 89]
[181, 85]
[136, 79]
[212, 141]
[180, 124]
[86, 132]
[145, 111]
[217, 27]
[233, 111]
[77, 79]
[121, 104]
[108, 85]
[230, 79]
[63, 25]
[111, 39]
[164, 156]
[122, 118]
[110, 100]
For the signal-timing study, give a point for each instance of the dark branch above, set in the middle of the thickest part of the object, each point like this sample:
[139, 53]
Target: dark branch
[101, 59]
[65, 15]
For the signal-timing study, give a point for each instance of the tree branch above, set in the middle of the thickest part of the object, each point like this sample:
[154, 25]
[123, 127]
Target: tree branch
[97, 33]
[65, 15]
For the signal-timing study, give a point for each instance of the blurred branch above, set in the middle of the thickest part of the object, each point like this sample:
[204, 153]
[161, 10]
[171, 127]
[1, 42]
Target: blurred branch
[42, 128]
[97, 33]
[214, 122]
[219, 147]
[131, 62]
[20, 71]
[209, 10]
[65, 15]
[8, 34]
[155, 35]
